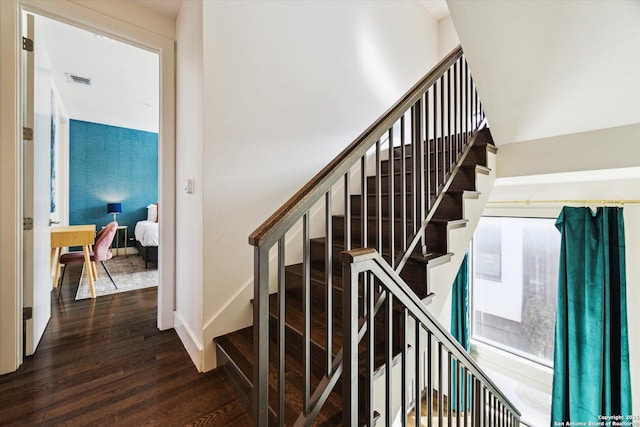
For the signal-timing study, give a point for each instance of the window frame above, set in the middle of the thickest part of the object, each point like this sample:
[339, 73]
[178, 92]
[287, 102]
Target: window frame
[524, 367]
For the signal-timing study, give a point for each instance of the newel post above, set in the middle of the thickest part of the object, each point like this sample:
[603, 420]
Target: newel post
[261, 336]
[350, 332]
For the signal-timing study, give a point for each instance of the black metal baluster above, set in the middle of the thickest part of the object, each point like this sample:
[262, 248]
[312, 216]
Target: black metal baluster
[491, 409]
[429, 413]
[389, 358]
[281, 329]
[347, 212]
[460, 86]
[443, 160]
[364, 222]
[328, 274]
[455, 111]
[364, 214]
[458, 394]
[403, 183]
[449, 391]
[306, 311]
[370, 347]
[466, 104]
[418, 373]
[477, 114]
[436, 155]
[440, 387]
[392, 200]
[467, 392]
[449, 134]
[415, 171]
[428, 141]
[379, 198]
[420, 172]
[405, 366]
[474, 97]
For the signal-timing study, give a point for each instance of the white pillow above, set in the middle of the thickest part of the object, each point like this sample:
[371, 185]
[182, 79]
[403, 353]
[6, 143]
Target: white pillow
[152, 213]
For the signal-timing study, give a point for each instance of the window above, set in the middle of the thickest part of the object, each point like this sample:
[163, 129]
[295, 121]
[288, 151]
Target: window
[514, 285]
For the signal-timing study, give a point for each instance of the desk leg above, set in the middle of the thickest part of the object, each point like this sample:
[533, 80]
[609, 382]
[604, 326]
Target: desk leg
[53, 257]
[55, 261]
[94, 270]
[89, 269]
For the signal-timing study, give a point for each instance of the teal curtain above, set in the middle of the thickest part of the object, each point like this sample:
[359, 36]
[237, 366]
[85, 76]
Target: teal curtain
[591, 356]
[460, 305]
[460, 323]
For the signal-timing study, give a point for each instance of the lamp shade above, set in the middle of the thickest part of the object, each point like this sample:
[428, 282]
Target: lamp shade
[114, 207]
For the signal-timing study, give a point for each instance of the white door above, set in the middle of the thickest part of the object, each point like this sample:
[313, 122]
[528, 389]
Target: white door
[37, 175]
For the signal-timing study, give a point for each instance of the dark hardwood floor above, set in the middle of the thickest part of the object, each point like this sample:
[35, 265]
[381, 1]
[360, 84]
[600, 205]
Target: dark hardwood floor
[104, 362]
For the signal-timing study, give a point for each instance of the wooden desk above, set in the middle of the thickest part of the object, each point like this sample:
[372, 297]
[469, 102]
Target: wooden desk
[74, 235]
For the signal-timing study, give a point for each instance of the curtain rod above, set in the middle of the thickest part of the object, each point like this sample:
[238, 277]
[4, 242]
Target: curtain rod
[550, 202]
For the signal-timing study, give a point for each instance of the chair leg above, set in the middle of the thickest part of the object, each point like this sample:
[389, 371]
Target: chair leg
[108, 274]
[64, 268]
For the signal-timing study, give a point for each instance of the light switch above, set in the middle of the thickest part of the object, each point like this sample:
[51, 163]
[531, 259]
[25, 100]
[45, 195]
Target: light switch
[188, 186]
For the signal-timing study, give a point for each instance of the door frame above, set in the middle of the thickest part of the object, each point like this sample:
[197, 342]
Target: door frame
[11, 166]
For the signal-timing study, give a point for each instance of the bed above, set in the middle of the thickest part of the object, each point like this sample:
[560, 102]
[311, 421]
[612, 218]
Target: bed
[147, 236]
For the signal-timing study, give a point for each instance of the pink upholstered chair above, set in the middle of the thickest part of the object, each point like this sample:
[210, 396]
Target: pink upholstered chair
[100, 253]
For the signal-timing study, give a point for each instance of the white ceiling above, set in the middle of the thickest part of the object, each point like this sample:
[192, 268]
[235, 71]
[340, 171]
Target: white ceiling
[437, 8]
[125, 79]
[552, 68]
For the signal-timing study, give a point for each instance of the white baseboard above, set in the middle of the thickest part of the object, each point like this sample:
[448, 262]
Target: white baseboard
[195, 350]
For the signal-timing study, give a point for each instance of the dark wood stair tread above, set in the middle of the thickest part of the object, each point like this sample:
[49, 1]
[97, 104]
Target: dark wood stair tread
[239, 346]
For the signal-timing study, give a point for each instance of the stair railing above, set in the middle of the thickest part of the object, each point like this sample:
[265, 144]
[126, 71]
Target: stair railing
[432, 364]
[428, 130]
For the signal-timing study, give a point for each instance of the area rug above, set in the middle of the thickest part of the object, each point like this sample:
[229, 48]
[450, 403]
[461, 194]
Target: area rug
[127, 271]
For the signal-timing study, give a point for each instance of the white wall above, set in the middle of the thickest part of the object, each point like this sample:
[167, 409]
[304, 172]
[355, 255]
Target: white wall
[189, 165]
[611, 148]
[287, 85]
[447, 36]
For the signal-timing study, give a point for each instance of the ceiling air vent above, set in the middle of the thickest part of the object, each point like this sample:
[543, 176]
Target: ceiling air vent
[79, 80]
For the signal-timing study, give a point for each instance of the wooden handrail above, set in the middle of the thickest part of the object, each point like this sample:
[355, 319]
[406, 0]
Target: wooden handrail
[278, 223]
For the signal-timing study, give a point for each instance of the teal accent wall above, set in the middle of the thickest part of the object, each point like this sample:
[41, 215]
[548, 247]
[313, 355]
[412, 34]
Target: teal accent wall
[109, 164]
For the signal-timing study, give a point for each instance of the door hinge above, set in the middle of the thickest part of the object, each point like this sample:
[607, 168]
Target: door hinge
[27, 223]
[27, 44]
[27, 134]
[27, 313]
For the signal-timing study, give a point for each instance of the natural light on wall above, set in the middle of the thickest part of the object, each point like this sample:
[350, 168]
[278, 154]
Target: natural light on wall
[375, 68]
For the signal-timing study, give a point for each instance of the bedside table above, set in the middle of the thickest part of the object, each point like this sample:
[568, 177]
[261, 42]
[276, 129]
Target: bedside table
[126, 240]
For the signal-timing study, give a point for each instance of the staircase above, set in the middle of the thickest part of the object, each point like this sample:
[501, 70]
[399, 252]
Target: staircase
[324, 311]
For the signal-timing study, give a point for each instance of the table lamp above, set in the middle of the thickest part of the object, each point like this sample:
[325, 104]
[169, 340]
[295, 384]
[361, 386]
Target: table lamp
[115, 209]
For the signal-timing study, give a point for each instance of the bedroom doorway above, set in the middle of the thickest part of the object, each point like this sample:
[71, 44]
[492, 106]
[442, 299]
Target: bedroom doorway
[164, 51]
[107, 93]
